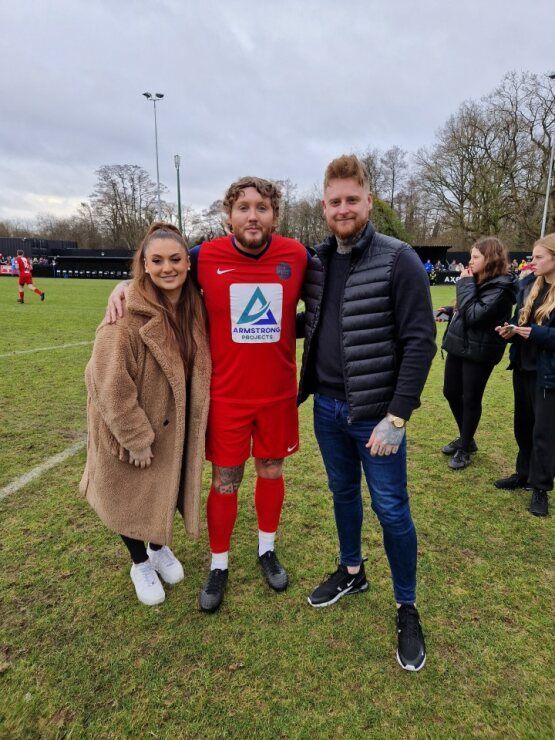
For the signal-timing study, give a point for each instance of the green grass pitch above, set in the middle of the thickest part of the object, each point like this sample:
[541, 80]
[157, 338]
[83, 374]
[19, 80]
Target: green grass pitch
[80, 657]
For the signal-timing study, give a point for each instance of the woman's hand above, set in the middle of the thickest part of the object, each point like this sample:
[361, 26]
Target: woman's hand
[523, 331]
[467, 272]
[506, 331]
[140, 458]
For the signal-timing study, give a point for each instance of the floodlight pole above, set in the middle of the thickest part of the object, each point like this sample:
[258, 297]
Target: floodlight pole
[154, 99]
[551, 76]
[177, 161]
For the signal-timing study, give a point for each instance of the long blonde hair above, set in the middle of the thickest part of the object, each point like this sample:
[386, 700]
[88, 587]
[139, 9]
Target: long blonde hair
[544, 311]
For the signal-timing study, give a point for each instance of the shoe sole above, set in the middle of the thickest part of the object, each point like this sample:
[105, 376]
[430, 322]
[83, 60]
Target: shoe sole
[209, 611]
[151, 603]
[347, 592]
[410, 668]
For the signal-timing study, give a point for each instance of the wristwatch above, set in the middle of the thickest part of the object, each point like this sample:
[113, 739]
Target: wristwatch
[397, 422]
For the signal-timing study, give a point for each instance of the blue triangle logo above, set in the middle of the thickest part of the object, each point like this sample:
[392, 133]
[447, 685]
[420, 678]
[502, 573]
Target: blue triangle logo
[261, 314]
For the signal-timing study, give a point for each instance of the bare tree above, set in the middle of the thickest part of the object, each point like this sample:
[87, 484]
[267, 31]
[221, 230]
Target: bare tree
[393, 171]
[124, 203]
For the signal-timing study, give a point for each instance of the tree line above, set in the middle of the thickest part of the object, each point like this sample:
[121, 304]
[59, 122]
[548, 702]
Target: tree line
[485, 173]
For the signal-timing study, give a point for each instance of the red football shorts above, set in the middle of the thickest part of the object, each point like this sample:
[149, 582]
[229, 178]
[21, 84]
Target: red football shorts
[272, 428]
[25, 280]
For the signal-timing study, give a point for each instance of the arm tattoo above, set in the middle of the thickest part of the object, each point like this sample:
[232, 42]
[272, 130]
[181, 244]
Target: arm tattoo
[229, 479]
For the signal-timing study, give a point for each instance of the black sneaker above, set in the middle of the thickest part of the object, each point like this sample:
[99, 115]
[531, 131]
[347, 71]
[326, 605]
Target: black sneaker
[461, 459]
[511, 483]
[20, 300]
[212, 593]
[338, 584]
[42, 296]
[274, 572]
[455, 445]
[411, 648]
[539, 505]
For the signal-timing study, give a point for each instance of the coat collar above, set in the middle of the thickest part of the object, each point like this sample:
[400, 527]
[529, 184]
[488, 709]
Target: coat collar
[326, 248]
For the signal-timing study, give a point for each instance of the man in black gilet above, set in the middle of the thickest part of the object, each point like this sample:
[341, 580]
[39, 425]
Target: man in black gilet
[369, 343]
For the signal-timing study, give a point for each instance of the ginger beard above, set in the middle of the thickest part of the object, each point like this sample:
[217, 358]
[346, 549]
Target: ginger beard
[347, 206]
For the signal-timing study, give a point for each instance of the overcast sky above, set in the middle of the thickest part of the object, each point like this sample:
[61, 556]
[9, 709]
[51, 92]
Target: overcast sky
[266, 87]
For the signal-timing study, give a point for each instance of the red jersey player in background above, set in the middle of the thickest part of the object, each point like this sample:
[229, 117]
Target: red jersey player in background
[25, 276]
[251, 281]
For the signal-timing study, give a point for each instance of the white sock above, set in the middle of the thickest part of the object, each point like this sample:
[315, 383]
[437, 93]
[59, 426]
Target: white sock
[219, 560]
[266, 541]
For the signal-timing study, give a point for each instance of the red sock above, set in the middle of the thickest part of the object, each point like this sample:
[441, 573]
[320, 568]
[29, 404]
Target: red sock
[221, 513]
[20, 295]
[37, 291]
[268, 502]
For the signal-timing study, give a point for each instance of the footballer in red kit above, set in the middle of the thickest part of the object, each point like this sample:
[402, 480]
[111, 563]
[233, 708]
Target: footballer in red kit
[25, 276]
[251, 282]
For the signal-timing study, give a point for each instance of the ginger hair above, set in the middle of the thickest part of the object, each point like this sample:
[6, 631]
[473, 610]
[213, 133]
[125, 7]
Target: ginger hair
[346, 166]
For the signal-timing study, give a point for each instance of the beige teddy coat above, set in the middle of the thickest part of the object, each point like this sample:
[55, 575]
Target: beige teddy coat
[137, 396]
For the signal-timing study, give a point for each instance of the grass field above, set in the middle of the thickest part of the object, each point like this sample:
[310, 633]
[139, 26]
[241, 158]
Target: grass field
[80, 657]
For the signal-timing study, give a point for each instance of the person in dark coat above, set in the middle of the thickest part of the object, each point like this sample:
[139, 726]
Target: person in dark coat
[369, 343]
[532, 360]
[485, 297]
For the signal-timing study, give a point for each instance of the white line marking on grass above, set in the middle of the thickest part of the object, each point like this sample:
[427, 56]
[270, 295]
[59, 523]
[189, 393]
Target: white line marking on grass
[22, 481]
[45, 349]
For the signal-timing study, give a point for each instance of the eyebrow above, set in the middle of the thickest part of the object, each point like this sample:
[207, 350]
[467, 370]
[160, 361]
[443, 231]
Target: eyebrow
[175, 254]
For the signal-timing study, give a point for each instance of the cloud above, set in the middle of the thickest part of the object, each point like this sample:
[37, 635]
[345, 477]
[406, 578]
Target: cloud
[275, 89]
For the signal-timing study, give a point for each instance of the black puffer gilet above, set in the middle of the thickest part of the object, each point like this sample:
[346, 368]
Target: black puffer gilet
[367, 322]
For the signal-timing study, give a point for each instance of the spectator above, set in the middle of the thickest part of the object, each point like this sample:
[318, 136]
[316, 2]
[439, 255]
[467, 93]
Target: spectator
[532, 360]
[485, 292]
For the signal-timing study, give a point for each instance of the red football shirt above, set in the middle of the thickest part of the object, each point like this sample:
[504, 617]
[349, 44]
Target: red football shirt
[251, 304]
[23, 265]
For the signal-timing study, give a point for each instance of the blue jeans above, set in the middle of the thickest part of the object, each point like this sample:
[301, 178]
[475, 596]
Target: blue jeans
[342, 444]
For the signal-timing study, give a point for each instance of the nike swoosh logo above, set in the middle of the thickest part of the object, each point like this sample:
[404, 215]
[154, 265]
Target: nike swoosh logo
[290, 449]
[222, 272]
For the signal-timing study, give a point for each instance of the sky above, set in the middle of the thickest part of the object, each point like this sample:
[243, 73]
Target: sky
[267, 88]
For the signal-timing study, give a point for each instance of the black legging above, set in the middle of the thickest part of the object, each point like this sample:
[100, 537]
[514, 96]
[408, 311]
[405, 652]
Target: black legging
[534, 422]
[464, 384]
[137, 549]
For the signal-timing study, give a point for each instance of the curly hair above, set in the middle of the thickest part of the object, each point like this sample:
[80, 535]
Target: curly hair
[495, 255]
[544, 311]
[266, 188]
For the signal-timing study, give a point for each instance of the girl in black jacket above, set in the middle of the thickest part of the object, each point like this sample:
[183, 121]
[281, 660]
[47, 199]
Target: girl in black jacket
[485, 297]
[533, 364]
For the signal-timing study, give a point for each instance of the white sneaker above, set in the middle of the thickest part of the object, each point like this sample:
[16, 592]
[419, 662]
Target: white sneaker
[147, 584]
[165, 562]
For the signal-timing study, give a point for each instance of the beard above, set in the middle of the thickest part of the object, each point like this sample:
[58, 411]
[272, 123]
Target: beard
[347, 228]
[253, 244]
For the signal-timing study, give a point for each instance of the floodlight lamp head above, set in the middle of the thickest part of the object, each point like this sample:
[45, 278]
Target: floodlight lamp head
[551, 74]
[159, 96]
[177, 160]
[147, 95]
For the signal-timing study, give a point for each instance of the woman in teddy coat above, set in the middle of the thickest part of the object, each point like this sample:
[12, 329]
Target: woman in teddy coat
[148, 384]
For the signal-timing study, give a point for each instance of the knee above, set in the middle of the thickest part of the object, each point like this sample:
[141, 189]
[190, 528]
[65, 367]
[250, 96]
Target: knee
[394, 517]
[270, 468]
